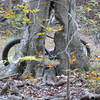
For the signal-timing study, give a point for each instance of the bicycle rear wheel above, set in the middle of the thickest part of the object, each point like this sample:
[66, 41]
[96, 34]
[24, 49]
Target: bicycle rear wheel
[7, 48]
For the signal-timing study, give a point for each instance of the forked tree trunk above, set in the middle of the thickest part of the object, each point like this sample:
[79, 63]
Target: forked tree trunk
[32, 43]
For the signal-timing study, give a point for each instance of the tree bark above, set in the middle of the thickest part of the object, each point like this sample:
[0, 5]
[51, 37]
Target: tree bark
[31, 42]
[60, 38]
[82, 61]
[68, 39]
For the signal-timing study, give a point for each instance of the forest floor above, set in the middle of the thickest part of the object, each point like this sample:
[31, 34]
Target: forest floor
[26, 88]
[80, 86]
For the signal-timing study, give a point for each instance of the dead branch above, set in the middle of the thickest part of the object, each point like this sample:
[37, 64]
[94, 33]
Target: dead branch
[91, 97]
[7, 76]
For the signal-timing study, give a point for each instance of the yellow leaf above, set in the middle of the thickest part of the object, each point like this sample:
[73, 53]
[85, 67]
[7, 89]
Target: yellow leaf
[73, 54]
[21, 6]
[25, 10]
[42, 33]
[33, 79]
[26, 2]
[71, 62]
[9, 14]
[88, 8]
[60, 28]
[49, 29]
[26, 20]
[94, 73]
[29, 58]
[28, 76]
[73, 58]
[35, 10]
[50, 65]
[95, 78]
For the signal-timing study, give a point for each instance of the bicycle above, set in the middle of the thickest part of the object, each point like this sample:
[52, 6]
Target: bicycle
[50, 54]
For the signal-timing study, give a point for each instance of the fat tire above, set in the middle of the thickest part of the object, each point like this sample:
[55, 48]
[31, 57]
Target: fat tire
[84, 43]
[13, 42]
[6, 49]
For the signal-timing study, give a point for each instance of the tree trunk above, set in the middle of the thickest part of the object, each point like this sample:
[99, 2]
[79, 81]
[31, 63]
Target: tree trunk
[33, 43]
[61, 13]
[67, 41]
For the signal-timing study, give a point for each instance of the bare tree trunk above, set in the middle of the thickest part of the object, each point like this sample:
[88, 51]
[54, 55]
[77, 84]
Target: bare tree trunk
[68, 39]
[32, 42]
[82, 60]
[61, 12]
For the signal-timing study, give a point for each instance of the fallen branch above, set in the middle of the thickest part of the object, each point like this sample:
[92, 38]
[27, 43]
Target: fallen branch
[91, 97]
[7, 76]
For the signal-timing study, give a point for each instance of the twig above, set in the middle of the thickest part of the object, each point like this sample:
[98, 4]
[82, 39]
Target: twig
[7, 76]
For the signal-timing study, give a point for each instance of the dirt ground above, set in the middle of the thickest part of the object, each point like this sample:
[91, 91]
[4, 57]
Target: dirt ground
[29, 88]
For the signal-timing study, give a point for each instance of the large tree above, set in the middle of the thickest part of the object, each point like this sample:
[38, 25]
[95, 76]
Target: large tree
[67, 41]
